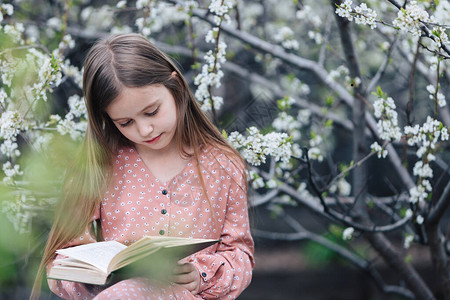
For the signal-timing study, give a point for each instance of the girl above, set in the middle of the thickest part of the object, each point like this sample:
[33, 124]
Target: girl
[153, 164]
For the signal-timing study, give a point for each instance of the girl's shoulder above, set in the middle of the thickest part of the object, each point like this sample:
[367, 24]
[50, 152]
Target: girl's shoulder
[214, 157]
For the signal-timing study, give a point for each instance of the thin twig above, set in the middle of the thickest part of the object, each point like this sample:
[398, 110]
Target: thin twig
[382, 68]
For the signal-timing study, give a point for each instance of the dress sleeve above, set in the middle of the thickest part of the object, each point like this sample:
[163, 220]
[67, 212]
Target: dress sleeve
[74, 290]
[228, 271]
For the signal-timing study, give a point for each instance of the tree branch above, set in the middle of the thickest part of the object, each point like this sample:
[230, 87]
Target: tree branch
[439, 209]
[382, 68]
[439, 259]
[318, 70]
[302, 234]
[383, 246]
[344, 219]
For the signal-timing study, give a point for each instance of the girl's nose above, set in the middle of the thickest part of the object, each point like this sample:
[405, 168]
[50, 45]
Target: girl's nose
[145, 128]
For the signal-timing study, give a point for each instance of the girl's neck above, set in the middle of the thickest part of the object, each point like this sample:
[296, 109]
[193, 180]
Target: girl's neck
[169, 152]
[164, 164]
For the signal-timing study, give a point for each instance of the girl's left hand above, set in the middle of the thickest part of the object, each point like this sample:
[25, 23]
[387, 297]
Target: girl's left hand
[186, 275]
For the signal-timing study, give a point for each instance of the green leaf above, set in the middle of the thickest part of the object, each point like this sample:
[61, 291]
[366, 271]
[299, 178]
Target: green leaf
[408, 259]
[342, 167]
[291, 76]
[336, 230]
[196, 66]
[329, 101]
[379, 92]
[224, 134]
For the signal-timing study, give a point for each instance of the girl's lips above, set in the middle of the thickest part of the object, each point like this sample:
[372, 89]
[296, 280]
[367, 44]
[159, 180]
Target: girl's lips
[154, 140]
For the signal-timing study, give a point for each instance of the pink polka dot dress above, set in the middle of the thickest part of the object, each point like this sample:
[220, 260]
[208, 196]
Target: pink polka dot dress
[137, 204]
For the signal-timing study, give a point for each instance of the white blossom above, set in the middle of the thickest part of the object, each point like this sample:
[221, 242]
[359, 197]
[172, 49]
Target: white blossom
[304, 12]
[342, 187]
[439, 36]
[440, 98]
[417, 194]
[409, 213]
[285, 36]
[10, 171]
[297, 151]
[410, 18]
[220, 9]
[422, 170]
[121, 4]
[40, 141]
[384, 109]
[316, 37]
[340, 71]
[7, 8]
[365, 15]
[347, 234]
[15, 32]
[315, 141]
[3, 97]
[431, 89]
[10, 148]
[285, 122]
[381, 152]
[256, 146]
[314, 153]
[444, 134]
[77, 106]
[419, 219]
[409, 238]
[210, 76]
[303, 116]
[67, 41]
[345, 10]
[295, 86]
[98, 18]
[11, 123]
[140, 4]
[72, 71]
[54, 23]
[272, 183]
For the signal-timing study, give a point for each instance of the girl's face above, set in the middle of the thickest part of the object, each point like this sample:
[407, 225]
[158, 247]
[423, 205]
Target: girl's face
[147, 116]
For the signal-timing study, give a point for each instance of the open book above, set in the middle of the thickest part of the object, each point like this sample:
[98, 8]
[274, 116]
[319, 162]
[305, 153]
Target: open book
[92, 263]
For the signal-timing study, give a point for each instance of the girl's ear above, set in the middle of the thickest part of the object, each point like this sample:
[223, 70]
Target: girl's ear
[174, 74]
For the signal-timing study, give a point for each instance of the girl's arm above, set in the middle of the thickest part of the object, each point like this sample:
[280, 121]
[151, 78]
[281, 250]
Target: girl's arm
[228, 271]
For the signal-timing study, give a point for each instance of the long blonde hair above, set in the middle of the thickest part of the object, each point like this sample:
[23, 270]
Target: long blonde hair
[125, 60]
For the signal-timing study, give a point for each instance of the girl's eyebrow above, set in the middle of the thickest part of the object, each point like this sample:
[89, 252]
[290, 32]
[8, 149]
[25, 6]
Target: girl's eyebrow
[144, 109]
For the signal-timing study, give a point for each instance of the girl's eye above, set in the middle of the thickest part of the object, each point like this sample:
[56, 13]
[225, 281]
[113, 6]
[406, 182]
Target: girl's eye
[125, 124]
[152, 113]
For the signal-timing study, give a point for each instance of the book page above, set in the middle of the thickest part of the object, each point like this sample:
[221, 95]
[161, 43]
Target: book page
[77, 275]
[97, 254]
[151, 244]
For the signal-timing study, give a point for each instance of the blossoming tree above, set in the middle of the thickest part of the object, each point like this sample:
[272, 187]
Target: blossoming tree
[369, 77]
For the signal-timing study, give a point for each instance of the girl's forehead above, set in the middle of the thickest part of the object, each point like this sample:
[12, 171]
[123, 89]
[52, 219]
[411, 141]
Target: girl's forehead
[148, 92]
[133, 100]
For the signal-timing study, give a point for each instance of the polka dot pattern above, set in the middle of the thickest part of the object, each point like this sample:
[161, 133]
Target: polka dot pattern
[137, 204]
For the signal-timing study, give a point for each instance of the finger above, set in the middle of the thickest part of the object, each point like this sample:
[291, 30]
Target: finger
[181, 279]
[182, 261]
[185, 277]
[184, 268]
[191, 287]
